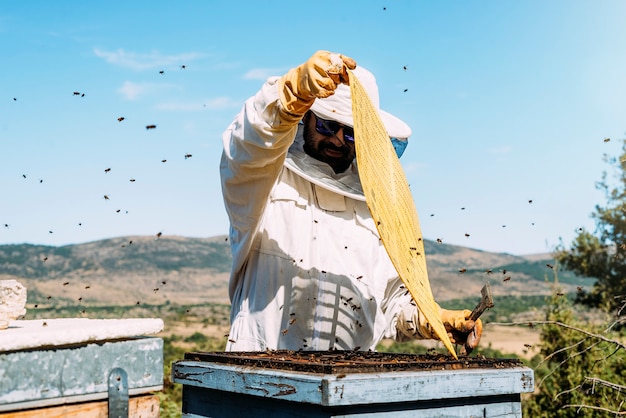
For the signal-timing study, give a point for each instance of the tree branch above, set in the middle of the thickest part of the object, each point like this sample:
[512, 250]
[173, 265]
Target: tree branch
[563, 325]
[596, 408]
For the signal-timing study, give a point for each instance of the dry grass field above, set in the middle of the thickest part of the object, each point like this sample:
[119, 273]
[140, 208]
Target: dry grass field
[520, 341]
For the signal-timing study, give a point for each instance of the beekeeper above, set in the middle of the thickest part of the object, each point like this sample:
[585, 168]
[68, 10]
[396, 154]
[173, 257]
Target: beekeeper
[309, 269]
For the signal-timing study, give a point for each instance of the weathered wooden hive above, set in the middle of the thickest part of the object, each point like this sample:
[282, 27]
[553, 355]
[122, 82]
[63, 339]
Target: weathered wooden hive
[349, 384]
[80, 368]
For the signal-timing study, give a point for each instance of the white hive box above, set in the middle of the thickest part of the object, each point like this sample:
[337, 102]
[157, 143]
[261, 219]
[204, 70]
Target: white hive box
[348, 384]
[53, 363]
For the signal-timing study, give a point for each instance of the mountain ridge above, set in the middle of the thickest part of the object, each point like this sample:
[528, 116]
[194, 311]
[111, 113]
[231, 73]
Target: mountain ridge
[173, 269]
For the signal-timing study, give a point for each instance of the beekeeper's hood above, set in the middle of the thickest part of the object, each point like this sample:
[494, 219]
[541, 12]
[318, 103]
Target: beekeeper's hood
[338, 107]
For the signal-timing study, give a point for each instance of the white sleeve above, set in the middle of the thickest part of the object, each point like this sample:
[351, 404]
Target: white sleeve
[255, 145]
[405, 321]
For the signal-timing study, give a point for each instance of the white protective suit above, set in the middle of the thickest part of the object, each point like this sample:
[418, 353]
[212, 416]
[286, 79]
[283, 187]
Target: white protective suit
[309, 270]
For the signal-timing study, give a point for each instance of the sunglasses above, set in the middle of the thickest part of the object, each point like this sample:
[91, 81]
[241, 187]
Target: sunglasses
[330, 128]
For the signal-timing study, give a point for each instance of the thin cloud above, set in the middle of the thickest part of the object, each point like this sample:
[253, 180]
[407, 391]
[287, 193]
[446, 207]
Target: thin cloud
[413, 167]
[262, 73]
[141, 62]
[212, 104]
[132, 91]
[503, 150]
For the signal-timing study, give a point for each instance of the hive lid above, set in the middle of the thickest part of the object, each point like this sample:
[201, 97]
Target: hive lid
[28, 334]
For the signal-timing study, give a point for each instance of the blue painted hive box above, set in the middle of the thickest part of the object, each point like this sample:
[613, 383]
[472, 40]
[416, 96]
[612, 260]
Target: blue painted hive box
[349, 384]
[62, 367]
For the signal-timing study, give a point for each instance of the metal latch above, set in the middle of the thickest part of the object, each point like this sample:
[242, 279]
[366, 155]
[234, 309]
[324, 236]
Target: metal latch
[118, 393]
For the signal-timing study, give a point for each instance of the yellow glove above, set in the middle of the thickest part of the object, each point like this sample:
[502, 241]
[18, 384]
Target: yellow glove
[461, 329]
[318, 77]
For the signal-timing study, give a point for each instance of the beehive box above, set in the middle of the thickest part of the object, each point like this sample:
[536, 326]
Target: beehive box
[349, 384]
[61, 367]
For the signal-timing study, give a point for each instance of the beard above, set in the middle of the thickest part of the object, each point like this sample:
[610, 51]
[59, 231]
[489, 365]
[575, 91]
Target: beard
[340, 158]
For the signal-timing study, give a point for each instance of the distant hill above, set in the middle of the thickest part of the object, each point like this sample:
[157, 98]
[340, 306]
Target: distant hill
[130, 270]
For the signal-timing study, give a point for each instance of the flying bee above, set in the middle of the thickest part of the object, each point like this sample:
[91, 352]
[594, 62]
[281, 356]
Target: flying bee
[607, 139]
[76, 93]
[528, 345]
[150, 126]
[163, 161]
[161, 72]
[66, 283]
[467, 235]
[132, 180]
[106, 197]
[159, 234]
[45, 259]
[439, 240]
[121, 118]
[550, 266]
[188, 156]
[292, 321]
[506, 279]
[462, 270]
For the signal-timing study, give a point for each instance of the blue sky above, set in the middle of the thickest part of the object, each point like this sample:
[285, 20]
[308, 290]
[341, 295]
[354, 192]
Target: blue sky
[509, 101]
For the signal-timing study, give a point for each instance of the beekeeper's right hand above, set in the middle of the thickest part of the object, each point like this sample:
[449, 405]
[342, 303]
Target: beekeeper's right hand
[318, 77]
